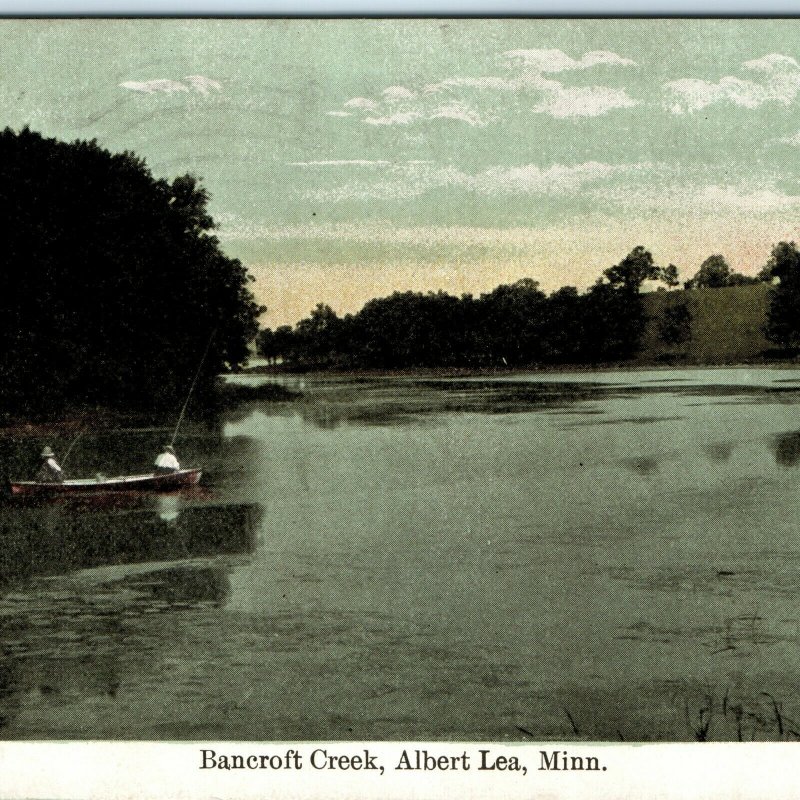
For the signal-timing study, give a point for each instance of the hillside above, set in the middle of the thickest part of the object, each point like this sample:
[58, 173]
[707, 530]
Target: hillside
[725, 326]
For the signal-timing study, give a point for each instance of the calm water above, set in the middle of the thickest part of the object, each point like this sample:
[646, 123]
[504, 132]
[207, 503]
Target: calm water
[559, 556]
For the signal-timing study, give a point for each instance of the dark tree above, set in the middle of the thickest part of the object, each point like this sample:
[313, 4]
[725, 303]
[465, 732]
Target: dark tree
[111, 283]
[512, 317]
[714, 273]
[675, 324]
[562, 331]
[317, 336]
[669, 275]
[636, 268]
[614, 313]
[266, 345]
[783, 322]
[410, 329]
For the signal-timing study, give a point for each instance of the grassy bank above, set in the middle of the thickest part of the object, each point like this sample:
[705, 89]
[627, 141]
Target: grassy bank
[726, 326]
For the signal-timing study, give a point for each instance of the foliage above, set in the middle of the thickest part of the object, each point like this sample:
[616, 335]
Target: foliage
[636, 268]
[514, 325]
[675, 324]
[614, 313]
[111, 283]
[715, 273]
[783, 323]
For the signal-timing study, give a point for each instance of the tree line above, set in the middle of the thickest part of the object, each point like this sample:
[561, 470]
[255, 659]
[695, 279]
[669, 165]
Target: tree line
[518, 325]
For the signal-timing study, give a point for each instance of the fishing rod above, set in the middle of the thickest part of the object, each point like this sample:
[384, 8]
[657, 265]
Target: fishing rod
[69, 449]
[191, 388]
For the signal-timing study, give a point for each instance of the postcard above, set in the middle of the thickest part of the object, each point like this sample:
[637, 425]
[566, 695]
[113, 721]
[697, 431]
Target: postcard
[399, 407]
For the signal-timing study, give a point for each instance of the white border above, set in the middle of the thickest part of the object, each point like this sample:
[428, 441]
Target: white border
[129, 771]
[133, 770]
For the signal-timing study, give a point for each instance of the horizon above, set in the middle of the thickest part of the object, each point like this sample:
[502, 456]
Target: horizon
[348, 159]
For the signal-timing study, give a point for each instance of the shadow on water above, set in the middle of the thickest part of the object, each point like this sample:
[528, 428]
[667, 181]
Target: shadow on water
[643, 465]
[80, 593]
[719, 452]
[786, 447]
[422, 402]
[53, 539]
[390, 401]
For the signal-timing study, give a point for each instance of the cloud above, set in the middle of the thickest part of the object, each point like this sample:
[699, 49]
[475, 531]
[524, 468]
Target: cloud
[159, 85]
[793, 140]
[558, 61]
[777, 80]
[640, 188]
[398, 93]
[700, 200]
[460, 112]
[361, 102]
[772, 62]
[476, 100]
[406, 180]
[398, 118]
[351, 162]
[203, 85]
[193, 83]
[564, 102]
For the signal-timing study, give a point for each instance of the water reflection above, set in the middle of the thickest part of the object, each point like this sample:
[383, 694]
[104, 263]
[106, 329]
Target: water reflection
[169, 507]
[384, 401]
[643, 465]
[51, 539]
[719, 452]
[390, 597]
[373, 402]
[786, 447]
[82, 588]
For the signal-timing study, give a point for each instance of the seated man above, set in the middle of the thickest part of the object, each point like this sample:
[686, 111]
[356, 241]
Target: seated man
[166, 462]
[49, 469]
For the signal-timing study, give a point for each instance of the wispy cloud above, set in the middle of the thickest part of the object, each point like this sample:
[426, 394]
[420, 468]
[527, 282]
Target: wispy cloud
[192, 83]
[341, 162]
[638, 188]
[772, 78]
[405, 180]
[552, 60]
[793, 140]
[699, 199]
[397, 118]
[476, 100]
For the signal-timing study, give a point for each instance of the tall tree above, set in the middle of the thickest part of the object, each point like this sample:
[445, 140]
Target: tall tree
[111, 281]
[614, 312]
[636, 268]
[783, 322]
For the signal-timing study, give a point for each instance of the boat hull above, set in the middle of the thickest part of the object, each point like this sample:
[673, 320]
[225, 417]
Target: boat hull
[149, 482]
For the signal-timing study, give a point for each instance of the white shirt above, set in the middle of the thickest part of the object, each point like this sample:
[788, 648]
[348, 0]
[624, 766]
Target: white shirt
[167, 461]
[53, 464]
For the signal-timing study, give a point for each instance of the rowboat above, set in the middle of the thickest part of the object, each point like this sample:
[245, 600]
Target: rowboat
[150, 482]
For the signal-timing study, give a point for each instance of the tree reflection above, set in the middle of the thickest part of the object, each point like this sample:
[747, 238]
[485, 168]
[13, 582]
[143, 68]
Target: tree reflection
[786, 448]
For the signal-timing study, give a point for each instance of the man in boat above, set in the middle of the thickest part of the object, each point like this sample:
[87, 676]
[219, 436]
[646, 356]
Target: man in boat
[49, 470]
[167, 461]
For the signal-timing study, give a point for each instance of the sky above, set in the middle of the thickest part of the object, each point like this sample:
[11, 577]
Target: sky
[347, 159]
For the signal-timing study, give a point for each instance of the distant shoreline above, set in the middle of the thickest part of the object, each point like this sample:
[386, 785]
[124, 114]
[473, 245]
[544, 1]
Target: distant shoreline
[443, 372]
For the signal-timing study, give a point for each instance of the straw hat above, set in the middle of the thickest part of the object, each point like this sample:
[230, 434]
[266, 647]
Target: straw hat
[47, 452]
[168, 448]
